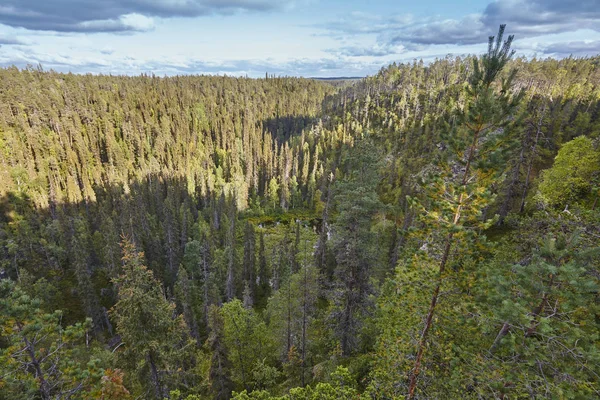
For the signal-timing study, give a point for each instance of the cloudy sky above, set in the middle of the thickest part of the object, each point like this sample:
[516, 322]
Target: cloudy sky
[319, 38]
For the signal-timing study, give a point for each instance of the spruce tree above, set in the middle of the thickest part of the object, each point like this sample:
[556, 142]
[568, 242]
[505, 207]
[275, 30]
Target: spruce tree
[152, 335]
[220, 366]
[353, 243]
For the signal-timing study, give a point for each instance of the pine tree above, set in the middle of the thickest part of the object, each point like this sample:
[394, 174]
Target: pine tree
[458, 194]
[40, 358]
[540, 309]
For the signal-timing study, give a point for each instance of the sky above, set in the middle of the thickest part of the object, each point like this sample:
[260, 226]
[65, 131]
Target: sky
[310, 38]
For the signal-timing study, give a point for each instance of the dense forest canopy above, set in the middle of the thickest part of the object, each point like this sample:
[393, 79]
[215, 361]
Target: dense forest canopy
[428, 232]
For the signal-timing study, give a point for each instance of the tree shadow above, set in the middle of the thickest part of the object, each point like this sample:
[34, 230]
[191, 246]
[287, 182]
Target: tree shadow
[283, 128]
[76, 246]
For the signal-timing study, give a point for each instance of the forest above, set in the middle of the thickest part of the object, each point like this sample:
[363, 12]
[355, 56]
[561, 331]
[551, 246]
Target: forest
[428, 232]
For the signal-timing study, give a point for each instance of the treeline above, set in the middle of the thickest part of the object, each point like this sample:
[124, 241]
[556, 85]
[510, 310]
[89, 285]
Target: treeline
[65, 135]
[428, 232]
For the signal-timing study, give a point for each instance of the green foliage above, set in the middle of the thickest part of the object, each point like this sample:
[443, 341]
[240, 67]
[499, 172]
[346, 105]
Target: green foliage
[39, 358]
[273, 192]
[153, 340]
[250, 347]
[340, 388]
[353, 243]
[291, 314]
[573, 175]
[542, 308]
[220, 366]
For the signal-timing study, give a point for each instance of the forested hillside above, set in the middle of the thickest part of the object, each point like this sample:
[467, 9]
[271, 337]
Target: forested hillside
[429, 232]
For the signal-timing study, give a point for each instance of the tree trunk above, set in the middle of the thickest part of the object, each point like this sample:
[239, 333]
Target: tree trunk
[155, 378]
[44, 386]
[322, 242]
[206, 281]
[412, 386]
[229, 289]
[304, 305]
[511, 186]
[400, 238]
[289, 316]
[535, 312]
[531, 159]
[503, 332]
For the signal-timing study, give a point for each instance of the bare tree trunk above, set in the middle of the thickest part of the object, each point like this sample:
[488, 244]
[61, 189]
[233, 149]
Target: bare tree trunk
[511, 186]
[531, 159]
[321, 244]
[503, 332]
[230, 284]
[39, 374]
[155, 378]
[344, 343]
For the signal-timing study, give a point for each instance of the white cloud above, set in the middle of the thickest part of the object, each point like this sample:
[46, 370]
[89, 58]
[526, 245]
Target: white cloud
[125, 23]
[118, 15]
[524, 18]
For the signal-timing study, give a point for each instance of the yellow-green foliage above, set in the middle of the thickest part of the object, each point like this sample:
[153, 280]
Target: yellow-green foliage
[575, 171]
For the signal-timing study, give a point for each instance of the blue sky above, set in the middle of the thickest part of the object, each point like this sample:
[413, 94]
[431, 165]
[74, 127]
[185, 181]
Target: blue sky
[319, 38]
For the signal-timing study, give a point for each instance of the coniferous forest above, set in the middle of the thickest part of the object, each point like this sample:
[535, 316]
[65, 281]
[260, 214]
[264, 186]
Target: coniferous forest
[429, 232]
